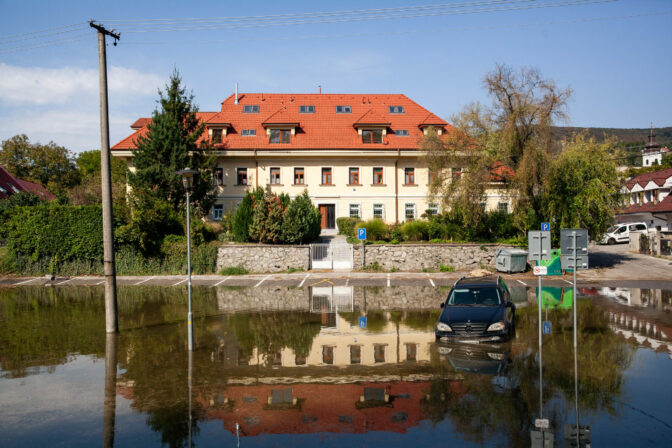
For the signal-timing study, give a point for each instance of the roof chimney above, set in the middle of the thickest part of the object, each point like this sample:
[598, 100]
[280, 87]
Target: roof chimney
[319, 90]
[236, 100]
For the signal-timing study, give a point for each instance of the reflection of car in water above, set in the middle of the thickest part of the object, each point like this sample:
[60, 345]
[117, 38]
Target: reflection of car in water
[476, 358]
[477, 309]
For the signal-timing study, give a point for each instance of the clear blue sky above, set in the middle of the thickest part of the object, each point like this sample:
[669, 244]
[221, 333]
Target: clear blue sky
[615, 55]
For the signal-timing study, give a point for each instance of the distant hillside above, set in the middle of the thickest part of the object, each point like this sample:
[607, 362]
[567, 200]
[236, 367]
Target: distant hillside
[636, 135]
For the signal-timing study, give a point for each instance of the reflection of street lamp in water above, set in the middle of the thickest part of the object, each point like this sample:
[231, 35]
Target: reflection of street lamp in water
[188, 182]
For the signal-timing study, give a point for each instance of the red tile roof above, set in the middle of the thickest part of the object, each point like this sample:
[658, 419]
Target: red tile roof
[658, 177]
[501, 173]
[10, 185]
[664, 206]
[324, 129]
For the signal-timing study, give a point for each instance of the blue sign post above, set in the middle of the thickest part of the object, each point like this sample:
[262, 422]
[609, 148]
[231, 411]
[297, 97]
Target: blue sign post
[547, 327]
[361, 234]
[545, 226]
[362, 322]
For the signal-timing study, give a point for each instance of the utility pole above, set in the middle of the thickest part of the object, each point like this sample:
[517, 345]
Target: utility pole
[111, 321]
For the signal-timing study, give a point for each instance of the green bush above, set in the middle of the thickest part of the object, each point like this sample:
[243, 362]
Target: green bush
[346, 225]
[415, 230]
[446, 268]
[64, 232]
[234, 270]
[243, 217]
[374, 267]
[376, 229]
[266, 226]
[396, 234]
[301, 223]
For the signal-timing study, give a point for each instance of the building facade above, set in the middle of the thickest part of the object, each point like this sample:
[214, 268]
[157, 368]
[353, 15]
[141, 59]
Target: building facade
[648, 200]
[356, 155]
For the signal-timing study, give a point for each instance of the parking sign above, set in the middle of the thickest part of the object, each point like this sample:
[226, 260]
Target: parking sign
[545, 226]
[361, 234]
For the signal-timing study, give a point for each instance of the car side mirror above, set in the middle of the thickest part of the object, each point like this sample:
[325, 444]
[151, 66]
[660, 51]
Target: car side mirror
[442, 304]
[509, 304]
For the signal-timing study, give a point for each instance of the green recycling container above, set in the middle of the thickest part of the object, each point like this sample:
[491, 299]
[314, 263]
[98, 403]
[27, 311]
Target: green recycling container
[554, 265]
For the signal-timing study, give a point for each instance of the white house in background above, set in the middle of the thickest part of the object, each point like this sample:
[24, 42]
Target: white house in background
[649, 200]
[653, 154]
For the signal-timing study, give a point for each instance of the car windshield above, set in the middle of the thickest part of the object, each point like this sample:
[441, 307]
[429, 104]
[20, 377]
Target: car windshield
[474, 296]
[611, 229]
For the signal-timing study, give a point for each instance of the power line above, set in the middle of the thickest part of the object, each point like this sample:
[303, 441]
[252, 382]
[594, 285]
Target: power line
[231, 23]
[392, 32]
[44, 31]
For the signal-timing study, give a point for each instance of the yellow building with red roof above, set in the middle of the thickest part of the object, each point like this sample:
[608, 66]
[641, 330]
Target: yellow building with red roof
[357, 155]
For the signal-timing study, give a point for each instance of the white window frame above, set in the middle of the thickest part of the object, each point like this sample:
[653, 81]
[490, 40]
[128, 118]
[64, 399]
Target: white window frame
[251, 109]
[249, 133]
[434, 207]
[344, 109]
[382, 211]
[357, 206]
[415, 211]
[215, 215]
[396, 109]
[504, 205]
[402, 133]
[307, 109]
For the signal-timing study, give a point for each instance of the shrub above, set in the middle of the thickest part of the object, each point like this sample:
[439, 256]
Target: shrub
[415, 230]
[446, 268]
[396, 234]
[64, 232]
[234, 270]
[301, 223]
[267, 219]
[375, 267]
[346, 225]
[376, 229]
[242, 219]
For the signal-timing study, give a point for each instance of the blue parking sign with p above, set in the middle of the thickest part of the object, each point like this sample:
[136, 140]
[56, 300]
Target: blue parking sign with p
[362, 322]
[361, 234]
[545, 226]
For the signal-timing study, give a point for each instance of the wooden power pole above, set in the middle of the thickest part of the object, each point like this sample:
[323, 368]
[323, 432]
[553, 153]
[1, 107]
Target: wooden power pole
[111, 320]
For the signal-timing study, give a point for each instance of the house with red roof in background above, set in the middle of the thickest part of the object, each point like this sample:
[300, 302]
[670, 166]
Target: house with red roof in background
[356, 154]
[10, 185]
[649, 200]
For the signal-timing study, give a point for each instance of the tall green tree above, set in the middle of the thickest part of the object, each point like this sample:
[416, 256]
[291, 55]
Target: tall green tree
[301, 223]
[516, 130]
[173, 142]
[49, 165]
[582, 186]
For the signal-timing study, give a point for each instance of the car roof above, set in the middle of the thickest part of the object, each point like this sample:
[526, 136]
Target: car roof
[478, 281]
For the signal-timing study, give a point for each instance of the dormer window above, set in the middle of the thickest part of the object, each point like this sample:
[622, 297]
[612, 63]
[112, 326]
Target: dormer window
[279, 135]
[216, 136]
[372, 136]
[306, 109]
[251, 109]
[343, 110]
[396, 109]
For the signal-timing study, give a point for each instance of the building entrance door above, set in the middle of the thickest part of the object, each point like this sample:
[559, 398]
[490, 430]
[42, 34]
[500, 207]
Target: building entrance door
[328, 212]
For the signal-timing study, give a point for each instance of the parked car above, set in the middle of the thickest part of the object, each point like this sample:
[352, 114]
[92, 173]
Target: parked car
[477, 309]
[620, 233]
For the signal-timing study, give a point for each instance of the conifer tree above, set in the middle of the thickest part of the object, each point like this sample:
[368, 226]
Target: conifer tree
[173, 142]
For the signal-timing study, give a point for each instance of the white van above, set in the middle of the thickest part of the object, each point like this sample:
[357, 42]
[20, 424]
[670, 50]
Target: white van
[620, 233]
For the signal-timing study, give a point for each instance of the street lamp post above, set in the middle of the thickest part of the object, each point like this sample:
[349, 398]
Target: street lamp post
[188, 182]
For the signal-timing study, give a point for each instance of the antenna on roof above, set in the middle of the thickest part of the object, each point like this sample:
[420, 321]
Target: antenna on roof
[236, 100]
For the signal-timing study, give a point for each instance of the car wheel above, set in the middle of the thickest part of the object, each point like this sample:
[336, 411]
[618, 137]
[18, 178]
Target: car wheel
[611, 241]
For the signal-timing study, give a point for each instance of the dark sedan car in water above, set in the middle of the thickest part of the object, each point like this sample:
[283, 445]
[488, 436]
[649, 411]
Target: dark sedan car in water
[477, 309]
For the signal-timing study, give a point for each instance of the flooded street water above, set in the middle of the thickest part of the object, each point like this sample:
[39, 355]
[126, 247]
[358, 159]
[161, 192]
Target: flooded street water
[295, 367]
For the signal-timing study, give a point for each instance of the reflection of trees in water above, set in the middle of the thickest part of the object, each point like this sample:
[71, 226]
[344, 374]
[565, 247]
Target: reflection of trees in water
[173, 423]
[42, 326]
[271, 332]
[481, 407]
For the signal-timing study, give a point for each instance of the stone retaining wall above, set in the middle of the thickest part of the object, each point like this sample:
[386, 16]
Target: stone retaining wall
[416, 257]
[263, 258]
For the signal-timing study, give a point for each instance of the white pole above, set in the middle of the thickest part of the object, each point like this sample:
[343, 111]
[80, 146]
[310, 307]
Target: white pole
[190, 327]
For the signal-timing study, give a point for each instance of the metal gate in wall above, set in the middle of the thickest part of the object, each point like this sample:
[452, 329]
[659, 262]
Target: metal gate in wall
[330, 256]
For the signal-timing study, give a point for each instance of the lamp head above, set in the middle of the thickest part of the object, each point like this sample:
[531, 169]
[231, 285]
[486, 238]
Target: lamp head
[187, 178]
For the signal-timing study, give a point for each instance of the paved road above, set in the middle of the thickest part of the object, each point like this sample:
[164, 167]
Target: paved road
[610, 266]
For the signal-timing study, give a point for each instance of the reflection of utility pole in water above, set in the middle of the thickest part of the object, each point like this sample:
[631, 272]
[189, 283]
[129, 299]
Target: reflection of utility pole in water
[110, 403]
